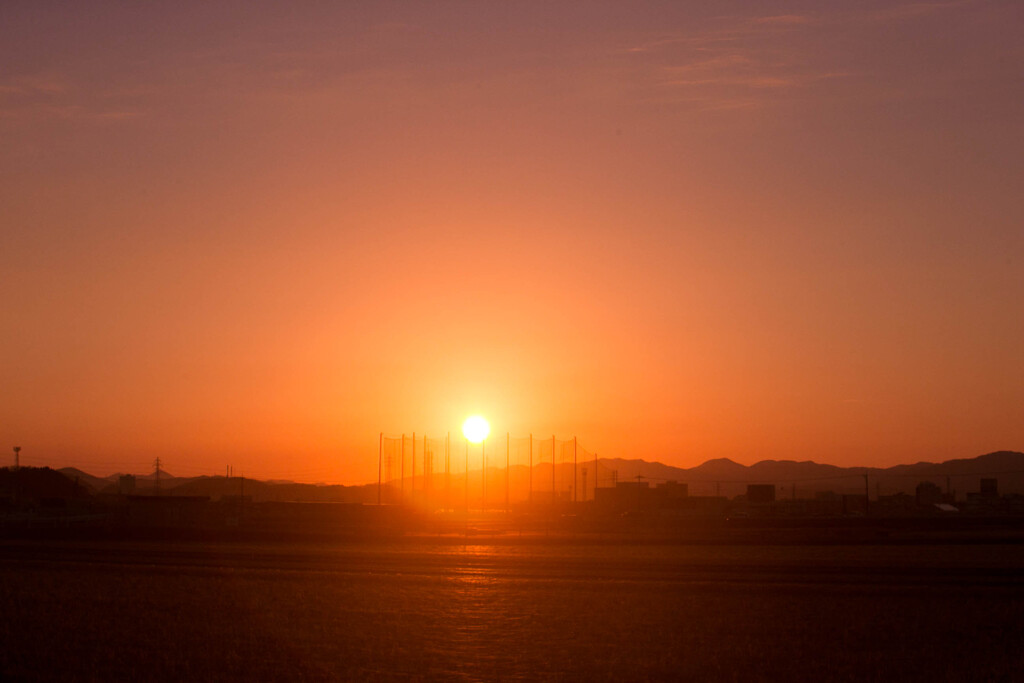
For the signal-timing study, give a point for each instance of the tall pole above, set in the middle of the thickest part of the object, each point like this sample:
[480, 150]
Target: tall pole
[412, 484]
[529, 495]
[553, 494]
[574, 469]
[508, 439]
[483, 475]
[867, 495]
[595, 476]
[401, 485]
[380, 460]
[448, 471]
[466, 479]
[17, 457]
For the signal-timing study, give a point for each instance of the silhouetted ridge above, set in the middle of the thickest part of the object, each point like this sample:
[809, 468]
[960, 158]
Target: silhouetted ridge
[806, 476]
[39, 482]
[92, 483]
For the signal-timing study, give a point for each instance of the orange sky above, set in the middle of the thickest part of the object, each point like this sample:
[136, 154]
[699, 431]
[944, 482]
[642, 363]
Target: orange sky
[259, 235]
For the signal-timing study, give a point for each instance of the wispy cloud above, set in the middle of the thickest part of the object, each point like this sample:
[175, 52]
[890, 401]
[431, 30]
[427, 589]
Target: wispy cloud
[747, 62]
[785, 20]
[34, 84]
[910, 10]
[54, 95]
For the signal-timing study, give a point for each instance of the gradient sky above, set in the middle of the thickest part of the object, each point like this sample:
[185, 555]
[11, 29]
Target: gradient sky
[261, 233]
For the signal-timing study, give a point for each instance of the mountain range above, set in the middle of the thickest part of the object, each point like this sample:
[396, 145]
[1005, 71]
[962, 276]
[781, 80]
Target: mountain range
[730, 478]
[715, 477]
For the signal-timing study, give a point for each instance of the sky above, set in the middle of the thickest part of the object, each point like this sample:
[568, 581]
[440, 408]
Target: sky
[260, 234]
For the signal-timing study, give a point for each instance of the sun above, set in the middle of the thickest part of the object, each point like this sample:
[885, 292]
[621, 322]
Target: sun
[476, 428]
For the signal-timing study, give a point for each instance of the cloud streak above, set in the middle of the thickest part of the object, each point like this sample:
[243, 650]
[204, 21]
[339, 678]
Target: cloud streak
[55, 95]
[750, 62]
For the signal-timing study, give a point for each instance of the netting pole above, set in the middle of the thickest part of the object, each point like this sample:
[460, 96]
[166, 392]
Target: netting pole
[553, 494]
[508, 440]
[401, 483]
[574, 469]
[380, 458]
[867, 496]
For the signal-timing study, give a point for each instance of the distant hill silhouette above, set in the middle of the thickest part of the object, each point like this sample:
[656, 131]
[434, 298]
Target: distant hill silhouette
[39, 482]
[720, 476]
[144, 483]
[730, 478]
[91, 483]
[217, 487]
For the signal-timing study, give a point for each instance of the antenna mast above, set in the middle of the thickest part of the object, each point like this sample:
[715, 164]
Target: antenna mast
[574, 469]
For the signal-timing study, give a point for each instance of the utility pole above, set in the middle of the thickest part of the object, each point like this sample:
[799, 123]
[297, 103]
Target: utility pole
[554, 494]
[867, 496]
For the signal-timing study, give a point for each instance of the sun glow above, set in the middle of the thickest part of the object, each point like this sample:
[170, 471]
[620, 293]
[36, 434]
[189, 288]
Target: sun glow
[475, 428]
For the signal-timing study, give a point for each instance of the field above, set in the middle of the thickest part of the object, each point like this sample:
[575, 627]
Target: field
[523, 610]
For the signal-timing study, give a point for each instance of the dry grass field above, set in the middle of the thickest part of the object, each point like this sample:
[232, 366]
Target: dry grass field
[513, 611]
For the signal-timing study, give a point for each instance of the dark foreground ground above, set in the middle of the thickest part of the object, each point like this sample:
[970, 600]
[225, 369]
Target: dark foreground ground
[514, 610]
